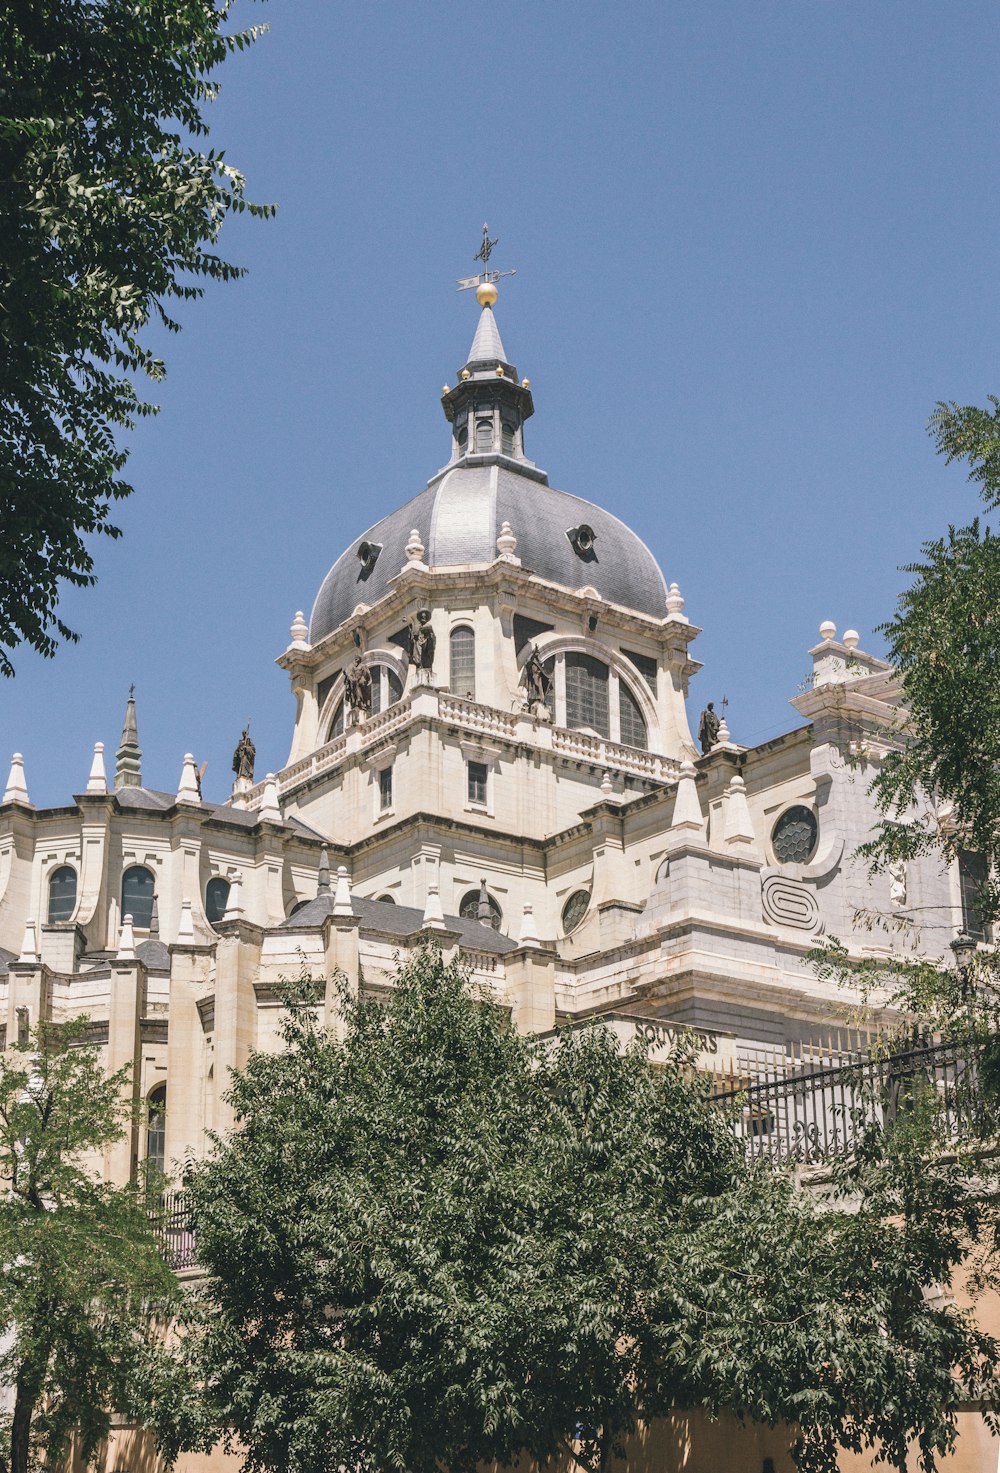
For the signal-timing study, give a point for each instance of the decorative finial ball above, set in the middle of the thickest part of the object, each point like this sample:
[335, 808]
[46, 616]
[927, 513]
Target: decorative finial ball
[851, 638]
[486, 294]
[828, 629]
[466, 375]
[526, 383]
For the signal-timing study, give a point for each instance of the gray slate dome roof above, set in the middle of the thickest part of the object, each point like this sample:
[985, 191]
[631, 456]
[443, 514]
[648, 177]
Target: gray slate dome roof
[459, 517]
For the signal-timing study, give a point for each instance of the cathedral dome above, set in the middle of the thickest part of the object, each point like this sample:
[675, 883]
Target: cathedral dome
[459, 516]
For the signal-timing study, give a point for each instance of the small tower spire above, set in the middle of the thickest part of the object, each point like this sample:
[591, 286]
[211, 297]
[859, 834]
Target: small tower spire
[128, 758]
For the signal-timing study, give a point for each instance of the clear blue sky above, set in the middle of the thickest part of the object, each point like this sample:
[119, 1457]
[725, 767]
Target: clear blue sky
[755, 243]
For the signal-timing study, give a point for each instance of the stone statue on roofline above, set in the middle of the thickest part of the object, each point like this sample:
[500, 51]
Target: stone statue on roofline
[358, 688]
[244, 757]
[708, 728]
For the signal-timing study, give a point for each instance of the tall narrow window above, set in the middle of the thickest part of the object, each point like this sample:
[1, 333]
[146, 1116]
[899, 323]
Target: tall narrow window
[138, 890]
[972, 878]
[463, 662]
[507, 438]
[337, 724]
[385, 788]
[633, 726]
[395, 686]
[156, 1128]
[587, 694]
[479, 775]
[216, 899]
[484, 434]
[62, 893]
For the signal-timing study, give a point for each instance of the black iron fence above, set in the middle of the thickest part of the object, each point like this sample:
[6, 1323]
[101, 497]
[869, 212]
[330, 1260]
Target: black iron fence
[805, 1111]
[813, 1111]
[170, 1220]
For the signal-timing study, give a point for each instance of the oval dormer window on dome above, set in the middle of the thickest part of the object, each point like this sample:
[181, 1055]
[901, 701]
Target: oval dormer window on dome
[484, 436]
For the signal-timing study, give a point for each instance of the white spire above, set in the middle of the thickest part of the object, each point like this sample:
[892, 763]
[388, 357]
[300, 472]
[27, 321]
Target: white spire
[97, 782]
[433, 914]
[185, 929]
[687, 807]
[16, 790]
[234, 901]
[29, 945]
[737, 828]
[126, 942]
[188, 790]
[486, 345]
[269, 808]
[529, 934]
[343, 905]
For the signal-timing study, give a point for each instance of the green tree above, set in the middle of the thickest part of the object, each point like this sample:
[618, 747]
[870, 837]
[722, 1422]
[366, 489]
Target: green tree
[108, 213]
[945, 642]
[83, 1291]
[432, 1243]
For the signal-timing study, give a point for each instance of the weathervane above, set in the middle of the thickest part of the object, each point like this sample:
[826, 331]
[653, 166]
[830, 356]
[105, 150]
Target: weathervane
[466, 283]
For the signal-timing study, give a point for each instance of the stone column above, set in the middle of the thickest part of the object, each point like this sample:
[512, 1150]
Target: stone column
[237, 964]
[126, 1005]
[186, 1052]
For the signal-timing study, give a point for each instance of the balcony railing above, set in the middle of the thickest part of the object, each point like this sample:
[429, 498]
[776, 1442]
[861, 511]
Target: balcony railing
[813, 1112]
[170, 1220]
[795, 1112]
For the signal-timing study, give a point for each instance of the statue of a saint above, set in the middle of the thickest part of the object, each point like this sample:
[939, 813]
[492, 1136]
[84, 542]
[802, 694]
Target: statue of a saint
[422, 641]
[708, 728]
[535, 680]
[358, 688]
[244, 757]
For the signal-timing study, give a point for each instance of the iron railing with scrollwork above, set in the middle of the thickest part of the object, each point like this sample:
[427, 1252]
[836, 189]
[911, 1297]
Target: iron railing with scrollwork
[810, 1113]
[170, 1221]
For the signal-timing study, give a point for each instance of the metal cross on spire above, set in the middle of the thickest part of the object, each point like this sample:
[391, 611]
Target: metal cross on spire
[466, 283]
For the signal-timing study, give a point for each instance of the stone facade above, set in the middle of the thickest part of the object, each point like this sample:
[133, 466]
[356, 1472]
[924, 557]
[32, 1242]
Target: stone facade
[568, 839]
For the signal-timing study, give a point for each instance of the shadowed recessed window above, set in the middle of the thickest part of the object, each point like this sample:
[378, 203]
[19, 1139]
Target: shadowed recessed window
[138, 890]
[469, 909]
[156, 1127]
[216, 899]
[62, 893]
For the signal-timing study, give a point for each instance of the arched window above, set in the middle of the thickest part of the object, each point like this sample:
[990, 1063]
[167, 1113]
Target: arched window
[337, 724]
[156, 1127]
[216, 899]
[462, 679]
[62, 893]
[138, 891]
[587, 694]
[633, 726]
[484, 434]
[506, 438]
[387, 688]
[469, 909]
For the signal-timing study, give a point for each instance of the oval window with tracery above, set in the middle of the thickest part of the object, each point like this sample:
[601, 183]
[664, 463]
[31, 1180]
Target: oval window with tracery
[575, 909]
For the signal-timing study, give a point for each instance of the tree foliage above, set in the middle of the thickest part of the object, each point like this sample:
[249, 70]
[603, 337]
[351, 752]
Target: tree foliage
[83, 1290]
[945, 642]
[109, 212]
[433, 1243]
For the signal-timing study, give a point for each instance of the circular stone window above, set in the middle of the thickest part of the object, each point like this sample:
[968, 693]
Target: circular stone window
[575, 909]
[793, 837]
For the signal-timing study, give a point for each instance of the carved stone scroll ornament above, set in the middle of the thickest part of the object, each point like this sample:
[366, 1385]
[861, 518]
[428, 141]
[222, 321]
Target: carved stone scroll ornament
[788, 902]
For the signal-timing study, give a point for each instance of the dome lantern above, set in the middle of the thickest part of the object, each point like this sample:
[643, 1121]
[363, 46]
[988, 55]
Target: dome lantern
[488, 406]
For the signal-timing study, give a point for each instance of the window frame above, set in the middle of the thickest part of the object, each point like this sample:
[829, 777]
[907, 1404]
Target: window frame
[139, 925]
[64, 919]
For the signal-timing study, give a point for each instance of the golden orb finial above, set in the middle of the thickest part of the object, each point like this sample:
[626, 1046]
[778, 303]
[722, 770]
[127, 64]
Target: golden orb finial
[486, 294]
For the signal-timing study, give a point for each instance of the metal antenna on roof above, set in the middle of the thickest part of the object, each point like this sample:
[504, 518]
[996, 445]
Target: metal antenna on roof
[486, 276]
